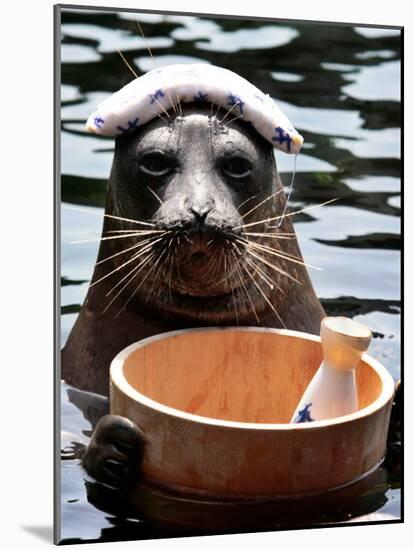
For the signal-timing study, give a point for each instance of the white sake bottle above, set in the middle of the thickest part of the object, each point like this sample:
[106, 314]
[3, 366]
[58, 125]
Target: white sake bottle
[332, 391]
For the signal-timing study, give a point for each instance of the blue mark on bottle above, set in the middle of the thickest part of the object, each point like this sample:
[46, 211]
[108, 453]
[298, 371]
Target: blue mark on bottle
[282, 137]
[304, 415]
[132, 125]
[200, 97]
[98, 121]
[234, 99]
[156, 95]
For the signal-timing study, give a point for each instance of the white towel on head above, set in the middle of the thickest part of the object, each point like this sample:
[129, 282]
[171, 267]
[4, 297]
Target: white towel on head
[159, 90]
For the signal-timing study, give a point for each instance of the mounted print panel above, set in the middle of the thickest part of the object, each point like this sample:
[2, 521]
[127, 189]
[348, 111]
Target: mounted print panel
[228, 233]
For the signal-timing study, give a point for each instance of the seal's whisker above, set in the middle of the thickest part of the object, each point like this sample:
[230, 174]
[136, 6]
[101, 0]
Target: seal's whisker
[287, 236]
[270, 283]
[135, 270]
[127, 64]
[131, 275]
[164, 268]
[148, 224]
[220, 264]
[156, 263]
[210, 267]
[153, 60]
[132, 234]
[245, 202]
[262, 202]
[273, 252]
[171, 259]
[225, 278]
[286, 255]
[272, 266]
[141, 264]
[151, 269]
[155, 64]
[234, 305]
[162, 118]
[134, 257]
[240, 273]
[158, 272]
[228, 274]
[235, 118]
[178, 99]
[254, 244]
[171, 100]
[138, 245]
[156, 196]
[240, 276]
[159, 136]
[258, 269]
[171, 269]
[232, 293]
[168, 263]
[217, 266]
[163, 109]
[218, 108]
[138, 222]
[228, 112]
[259, 288]
[217, 256]
[135, 231]
[285, 215]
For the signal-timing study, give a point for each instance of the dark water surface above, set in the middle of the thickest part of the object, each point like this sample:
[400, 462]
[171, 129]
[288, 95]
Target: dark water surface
[340, 88]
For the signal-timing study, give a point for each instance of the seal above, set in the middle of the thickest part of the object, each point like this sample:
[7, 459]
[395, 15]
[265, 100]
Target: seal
[195, 233]
[186, 243]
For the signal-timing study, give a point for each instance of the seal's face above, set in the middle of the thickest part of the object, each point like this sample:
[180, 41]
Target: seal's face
[192, 181]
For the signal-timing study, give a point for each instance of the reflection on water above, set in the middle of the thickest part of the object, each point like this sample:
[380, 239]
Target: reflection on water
[340, 87]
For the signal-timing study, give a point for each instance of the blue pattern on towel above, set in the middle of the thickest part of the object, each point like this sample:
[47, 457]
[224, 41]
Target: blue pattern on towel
[234, 99]
[282, 137]
[200, 97]
[98, 121]
[132, 125]
[156, 95]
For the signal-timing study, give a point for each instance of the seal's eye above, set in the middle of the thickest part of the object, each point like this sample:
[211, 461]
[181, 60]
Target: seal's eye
[236, 167]
[155, 164]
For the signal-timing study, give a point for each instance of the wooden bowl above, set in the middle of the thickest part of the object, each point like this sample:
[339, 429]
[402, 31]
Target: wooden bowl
[215, 404]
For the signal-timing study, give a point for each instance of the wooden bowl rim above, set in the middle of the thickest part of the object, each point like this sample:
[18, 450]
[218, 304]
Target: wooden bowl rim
[117, 378]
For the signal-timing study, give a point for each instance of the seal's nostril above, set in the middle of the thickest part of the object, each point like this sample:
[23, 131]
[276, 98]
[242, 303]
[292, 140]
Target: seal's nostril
[200, 216]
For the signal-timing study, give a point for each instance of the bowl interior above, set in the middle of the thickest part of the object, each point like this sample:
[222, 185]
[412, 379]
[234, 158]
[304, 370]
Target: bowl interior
[238, 375]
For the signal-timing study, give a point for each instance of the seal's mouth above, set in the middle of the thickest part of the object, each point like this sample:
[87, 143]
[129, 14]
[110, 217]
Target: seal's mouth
[197, 257]
[191, 274]
[197, 252]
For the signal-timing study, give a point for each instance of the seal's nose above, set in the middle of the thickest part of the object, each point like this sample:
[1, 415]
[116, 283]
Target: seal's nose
[200, 217]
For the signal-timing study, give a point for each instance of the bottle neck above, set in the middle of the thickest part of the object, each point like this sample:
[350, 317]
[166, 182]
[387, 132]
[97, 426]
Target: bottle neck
[331, 369]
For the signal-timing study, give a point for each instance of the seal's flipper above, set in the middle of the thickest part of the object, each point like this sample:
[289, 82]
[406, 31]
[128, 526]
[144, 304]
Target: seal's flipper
[114, 452]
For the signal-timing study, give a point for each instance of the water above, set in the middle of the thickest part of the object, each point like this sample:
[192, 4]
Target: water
[340, 87]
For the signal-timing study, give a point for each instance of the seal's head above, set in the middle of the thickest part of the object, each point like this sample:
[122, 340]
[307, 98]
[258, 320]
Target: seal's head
[185, 188]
